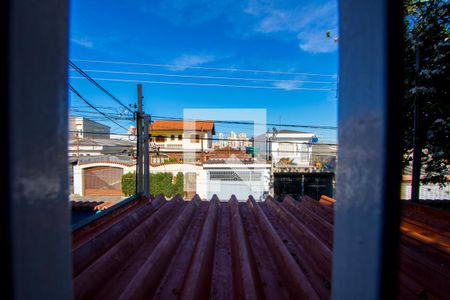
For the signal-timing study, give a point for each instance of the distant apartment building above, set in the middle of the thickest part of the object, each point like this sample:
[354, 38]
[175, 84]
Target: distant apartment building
[86, 128]
[233, 140]
[221, 142]
[181, 141]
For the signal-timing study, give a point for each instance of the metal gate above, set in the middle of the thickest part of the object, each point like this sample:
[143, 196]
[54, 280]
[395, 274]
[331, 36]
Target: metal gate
[103, 181]
[299, 184]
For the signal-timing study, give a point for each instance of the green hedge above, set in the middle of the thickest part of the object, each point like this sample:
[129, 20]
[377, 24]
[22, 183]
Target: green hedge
[160, 183]
[129, 184]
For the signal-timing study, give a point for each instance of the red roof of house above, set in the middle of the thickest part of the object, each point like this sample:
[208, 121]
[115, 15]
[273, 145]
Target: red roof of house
[240, 250]
[162, 125]
[225, 153]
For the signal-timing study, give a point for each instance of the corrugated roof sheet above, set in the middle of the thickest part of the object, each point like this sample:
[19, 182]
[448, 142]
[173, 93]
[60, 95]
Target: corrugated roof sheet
[87, 141]
[239, 250]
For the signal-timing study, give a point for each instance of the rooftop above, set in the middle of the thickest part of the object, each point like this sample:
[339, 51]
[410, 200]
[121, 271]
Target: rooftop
[120, 159]
[101, 142]
[226, 154]
[162, 125]
[292, 131]
[235, 250]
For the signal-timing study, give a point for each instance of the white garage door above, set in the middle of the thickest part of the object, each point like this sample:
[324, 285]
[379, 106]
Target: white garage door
[240, 183]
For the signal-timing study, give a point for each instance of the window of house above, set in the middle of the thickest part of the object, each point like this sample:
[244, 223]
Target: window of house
[160, 139]
[195, 138]
[172, 137]
[180, 137]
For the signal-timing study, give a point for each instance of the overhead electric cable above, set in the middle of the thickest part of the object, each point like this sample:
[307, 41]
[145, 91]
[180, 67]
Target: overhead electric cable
[175, 66]
[207, 84]
[92, 80]
[93, 107]
[208, 77]
[248, 123]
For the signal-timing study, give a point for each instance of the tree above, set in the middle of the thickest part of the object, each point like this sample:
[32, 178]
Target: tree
[179, 184]
[427, 79]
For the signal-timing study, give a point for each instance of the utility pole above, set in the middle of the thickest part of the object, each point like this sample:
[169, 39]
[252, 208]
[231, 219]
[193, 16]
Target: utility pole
[201, 141]
[146, 187]
[139, 166]
[417, 141]
[78, 144]
[253, 149]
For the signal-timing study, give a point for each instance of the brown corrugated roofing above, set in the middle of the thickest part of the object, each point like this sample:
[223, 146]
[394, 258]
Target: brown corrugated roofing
[162, 125]
[239, 250]
[226, 153]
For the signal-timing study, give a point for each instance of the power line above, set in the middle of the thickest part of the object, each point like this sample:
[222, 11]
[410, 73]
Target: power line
[249, 123]
[209, 77]
[104, 133]
[156, 118]
[206, 139]
[204, 68]
[96, 115]
[93, 107]
[92, 80]
[207, 84]
[111, 108]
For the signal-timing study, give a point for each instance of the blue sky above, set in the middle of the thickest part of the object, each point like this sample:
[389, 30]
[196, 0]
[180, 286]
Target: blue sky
[286, 36]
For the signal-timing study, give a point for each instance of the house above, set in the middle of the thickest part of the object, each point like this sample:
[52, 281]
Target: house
[86, 128]
[181, 141]
[289, 147]
[88, 146]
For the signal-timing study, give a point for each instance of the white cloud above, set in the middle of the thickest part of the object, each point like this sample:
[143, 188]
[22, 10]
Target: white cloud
[315, 41]
[287, 85]
[309, 22]
[83, 42]
[184, 61]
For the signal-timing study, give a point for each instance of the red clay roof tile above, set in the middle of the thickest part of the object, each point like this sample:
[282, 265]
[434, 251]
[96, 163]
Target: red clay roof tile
[240, 250]
[162, 125]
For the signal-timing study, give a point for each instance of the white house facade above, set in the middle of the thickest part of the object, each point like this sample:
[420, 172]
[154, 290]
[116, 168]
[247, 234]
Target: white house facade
[291, 146]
